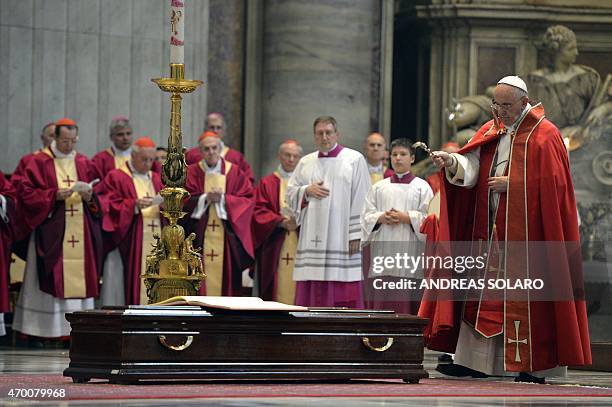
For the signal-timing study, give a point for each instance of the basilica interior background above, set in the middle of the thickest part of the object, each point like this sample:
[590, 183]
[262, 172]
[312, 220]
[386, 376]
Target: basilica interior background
[271, 66]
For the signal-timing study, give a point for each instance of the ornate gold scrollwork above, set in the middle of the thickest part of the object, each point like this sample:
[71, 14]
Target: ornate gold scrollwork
[385, 347]
[178, 348]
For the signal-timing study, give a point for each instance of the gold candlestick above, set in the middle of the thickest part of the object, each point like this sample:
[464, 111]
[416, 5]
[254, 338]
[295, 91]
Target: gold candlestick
[174, 267]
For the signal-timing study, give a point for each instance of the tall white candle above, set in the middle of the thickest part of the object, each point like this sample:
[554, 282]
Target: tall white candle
[177, 31]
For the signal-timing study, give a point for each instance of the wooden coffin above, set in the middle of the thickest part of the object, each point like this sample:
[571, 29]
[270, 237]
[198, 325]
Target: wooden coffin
[139, 343]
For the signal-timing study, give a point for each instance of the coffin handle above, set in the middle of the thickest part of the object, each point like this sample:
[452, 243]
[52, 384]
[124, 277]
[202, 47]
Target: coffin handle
[386, 346]
[178, 348]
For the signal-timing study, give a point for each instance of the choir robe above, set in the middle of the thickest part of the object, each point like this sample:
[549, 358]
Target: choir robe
[126, 225]
[234, 214]
[275, 272]
[539, 206]
[325, 271]
[109, 159]
[408, 194]
[194, 155]
[45, 297]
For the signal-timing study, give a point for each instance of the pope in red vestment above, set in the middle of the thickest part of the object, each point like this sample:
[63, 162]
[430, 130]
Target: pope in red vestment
[7, 222]
[271, 225]
[230, 200]
[535, 203]
[124, 216]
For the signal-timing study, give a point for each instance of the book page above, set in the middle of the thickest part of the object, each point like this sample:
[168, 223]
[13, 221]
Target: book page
[232, 303]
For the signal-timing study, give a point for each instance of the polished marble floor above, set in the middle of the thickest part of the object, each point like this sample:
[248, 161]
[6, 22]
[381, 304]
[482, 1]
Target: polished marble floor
[27, 361]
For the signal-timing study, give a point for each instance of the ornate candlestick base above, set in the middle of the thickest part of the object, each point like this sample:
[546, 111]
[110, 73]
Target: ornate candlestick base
[174, 267]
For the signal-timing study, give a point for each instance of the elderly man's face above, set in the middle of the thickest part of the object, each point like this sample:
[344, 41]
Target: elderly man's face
[210, 149]
[216, 123]
[289, 156]
[67, 139]
[507, 104]
[143, 159]
[122, 138]
[325, 136]
[375, 148]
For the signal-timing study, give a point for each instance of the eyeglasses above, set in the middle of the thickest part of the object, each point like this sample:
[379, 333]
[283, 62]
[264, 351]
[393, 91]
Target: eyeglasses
[504, 106]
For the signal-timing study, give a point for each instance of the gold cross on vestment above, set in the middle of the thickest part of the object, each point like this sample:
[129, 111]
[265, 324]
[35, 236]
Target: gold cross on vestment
[517, 356]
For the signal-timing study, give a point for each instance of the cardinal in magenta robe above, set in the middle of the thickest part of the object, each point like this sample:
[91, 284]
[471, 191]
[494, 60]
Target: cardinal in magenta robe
[275, 230]
[132, 217]
[220, 210]
[511, 185]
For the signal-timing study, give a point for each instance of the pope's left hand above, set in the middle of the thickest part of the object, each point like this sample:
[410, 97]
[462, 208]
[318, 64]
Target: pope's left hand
[498, 184]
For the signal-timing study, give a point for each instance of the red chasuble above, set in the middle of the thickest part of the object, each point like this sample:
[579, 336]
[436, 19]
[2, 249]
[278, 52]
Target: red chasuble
[238, 243]
[43, 213]
[234, 156]
[125, 226]
[104, 162]
[541, 207]
[6, 237]
[268, 238]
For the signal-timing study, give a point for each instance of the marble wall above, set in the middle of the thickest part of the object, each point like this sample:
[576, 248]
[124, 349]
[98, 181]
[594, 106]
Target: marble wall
[91, 60]
[318, 59]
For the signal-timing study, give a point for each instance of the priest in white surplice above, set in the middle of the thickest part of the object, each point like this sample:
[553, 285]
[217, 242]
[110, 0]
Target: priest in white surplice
[394, 209]
[326, 192]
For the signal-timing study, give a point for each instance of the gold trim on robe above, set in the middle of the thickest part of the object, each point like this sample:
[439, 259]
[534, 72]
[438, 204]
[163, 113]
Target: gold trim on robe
[214, 235]
[73, 247]
[285, 284]
[120, 161]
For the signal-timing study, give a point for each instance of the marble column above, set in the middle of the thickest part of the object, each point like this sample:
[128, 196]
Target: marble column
[225, 85]
[318, 59]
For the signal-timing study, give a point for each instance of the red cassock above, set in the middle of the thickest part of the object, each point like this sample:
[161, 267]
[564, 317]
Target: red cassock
[268, 238]
[194, 155]
[541, 208]
[41, 212]
[104, 162]
[6, 238]
[238, 245]
[119, 197]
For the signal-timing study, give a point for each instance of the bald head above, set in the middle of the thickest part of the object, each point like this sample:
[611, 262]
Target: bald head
[216, 122]
[375, 145]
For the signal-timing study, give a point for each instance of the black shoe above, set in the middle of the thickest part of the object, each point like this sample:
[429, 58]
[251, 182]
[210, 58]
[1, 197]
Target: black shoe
[445, 358]
[525, 377]
[452, 369]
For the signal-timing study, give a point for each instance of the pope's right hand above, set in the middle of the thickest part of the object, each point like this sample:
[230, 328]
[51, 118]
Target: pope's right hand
[442, 159]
